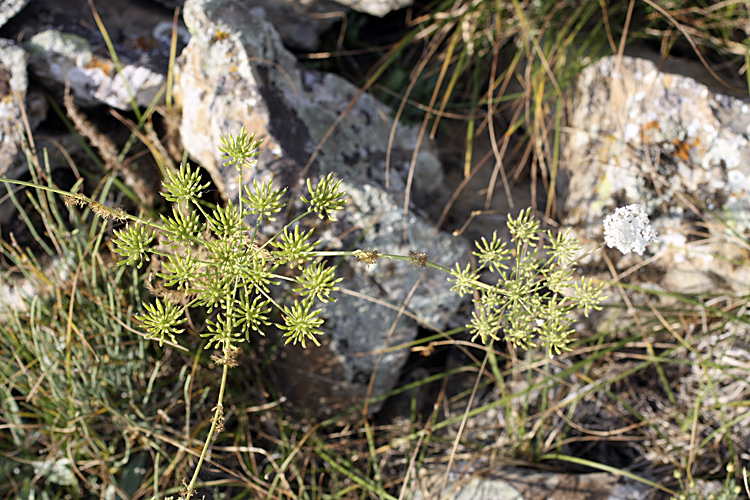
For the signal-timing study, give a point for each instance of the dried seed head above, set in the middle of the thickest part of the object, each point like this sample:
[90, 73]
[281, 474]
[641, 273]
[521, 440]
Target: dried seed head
[367, 257]
[76, 200]
[102, 211]
[418, 259]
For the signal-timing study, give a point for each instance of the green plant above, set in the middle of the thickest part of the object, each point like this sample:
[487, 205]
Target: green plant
[532, 295]
[208, 258]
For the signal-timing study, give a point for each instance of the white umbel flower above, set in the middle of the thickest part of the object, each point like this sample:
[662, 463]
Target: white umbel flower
[629, 230]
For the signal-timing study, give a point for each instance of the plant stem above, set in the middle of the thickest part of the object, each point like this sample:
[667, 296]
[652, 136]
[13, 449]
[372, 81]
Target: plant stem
[218, 417]
[405, 258]
[61, 192]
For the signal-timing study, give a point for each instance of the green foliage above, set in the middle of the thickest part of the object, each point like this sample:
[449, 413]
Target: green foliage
[52, 408]
[302, 322]
[182, 228]
[222, 264]
[326, 198]
[238, 150]
[264, 200]
[133, 244]
[183, 187]
[294, 248]
[530, 298]
[319, 281]
[160, 320]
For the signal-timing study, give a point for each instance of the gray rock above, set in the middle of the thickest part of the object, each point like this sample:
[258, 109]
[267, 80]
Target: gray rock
[58, 58]
[483, 489]
[335, 375]
[14, 96]
[669, 143]
[65, 45]
[247, 78]
[377, 8]
[510, 483]
[300, 24]
[13, 86]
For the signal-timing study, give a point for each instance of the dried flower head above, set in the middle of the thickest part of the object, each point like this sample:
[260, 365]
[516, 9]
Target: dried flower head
[418, 259]
[118, 213]
[75, 200]
[228, 357]
[101, 210]
[629, 229]
[367, 257]
[106, 212]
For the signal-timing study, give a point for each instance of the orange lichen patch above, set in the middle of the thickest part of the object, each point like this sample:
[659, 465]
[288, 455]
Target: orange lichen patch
[683, 148]
[142, 43]
[698, 145]
[653, 124]
[219, 36]
[103, 64]
[647, 128]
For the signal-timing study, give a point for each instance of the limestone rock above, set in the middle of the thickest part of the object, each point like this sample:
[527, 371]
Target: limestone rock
[299, 23]
[510, 483]
[13, 87]
[14, 96]
[65, 45]
[65, 57]
[677, 147]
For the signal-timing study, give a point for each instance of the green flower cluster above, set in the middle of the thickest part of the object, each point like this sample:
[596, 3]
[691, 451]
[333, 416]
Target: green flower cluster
[533, 294]
[215, 260]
